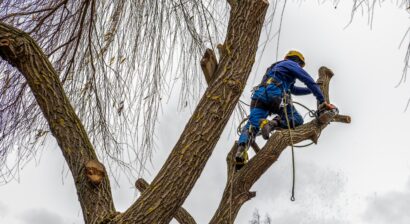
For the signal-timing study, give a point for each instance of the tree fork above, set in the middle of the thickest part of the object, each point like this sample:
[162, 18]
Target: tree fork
[91, 181]
[182, 215]
[238, 184]
[175, 180]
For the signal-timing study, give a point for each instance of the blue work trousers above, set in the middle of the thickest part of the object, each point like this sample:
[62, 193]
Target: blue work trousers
[251, 129]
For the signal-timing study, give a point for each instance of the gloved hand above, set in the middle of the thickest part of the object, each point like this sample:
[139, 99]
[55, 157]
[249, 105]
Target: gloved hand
[327, 106]
[325, 112]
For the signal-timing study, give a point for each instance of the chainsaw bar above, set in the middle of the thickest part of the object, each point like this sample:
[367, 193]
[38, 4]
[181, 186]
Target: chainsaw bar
[326, 116]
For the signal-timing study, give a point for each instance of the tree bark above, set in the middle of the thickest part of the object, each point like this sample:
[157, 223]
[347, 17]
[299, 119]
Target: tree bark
[238, 184]
[183, 167]
[182, 215]
[209, 64]
[92, 183]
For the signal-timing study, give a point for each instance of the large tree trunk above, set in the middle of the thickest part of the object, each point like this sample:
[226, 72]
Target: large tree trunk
[94, 191]
[183, 167]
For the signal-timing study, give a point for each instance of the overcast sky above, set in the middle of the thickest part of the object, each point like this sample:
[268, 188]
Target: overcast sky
[358, 173]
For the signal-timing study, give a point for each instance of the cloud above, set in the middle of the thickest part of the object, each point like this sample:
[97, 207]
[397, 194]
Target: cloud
[304, 217]
[321, 196]
[3, 209]
[40, 216]
[391, 207]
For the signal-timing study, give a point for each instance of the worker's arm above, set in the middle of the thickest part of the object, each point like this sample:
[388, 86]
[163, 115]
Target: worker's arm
[296, 90]
[303, 76]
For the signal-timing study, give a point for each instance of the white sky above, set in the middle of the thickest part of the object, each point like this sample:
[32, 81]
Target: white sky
[358, 173]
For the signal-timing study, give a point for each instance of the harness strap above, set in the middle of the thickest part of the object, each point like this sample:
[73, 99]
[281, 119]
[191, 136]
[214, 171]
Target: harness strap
[271, 81]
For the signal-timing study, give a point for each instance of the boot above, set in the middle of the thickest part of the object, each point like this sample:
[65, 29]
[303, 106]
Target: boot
[268, 126]
[241, 157]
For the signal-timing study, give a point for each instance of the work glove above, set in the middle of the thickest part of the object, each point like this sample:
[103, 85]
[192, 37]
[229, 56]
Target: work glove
[327, 106]
[325, 112]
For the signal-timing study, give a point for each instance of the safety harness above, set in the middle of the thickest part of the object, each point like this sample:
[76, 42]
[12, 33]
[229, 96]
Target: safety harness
[272, 106]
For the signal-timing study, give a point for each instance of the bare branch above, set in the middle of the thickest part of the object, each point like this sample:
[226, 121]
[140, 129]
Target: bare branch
[342, 119]
[92, 183]
[112, 56]
[255, 147]
[209, 64]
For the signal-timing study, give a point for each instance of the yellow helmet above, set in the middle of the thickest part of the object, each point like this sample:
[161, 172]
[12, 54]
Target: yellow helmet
[293, 53]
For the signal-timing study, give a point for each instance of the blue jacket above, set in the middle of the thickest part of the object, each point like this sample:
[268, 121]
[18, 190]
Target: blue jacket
[286, 72]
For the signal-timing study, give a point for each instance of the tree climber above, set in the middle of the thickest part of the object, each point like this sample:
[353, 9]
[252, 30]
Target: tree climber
[276, 87]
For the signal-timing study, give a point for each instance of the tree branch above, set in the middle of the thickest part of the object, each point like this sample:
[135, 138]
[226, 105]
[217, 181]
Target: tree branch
[184, 165]
[342, 119]
[209, 65]
[91, 181]
[232, 3]
[182, 215]
[239, 184]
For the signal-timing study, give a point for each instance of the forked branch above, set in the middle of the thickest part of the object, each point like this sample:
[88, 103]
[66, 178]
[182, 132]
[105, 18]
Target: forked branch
[238, 184]
[182, 215]
[169, 189]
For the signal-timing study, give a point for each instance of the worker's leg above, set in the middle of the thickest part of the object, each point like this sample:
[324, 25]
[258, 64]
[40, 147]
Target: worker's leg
[267, 126]
[252, 126]
[295, 119]
[248, 134]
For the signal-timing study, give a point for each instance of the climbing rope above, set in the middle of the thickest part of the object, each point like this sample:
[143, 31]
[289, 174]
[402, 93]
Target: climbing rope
[312, 113]
[239, 129]
[292, 198]
[243, 102]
